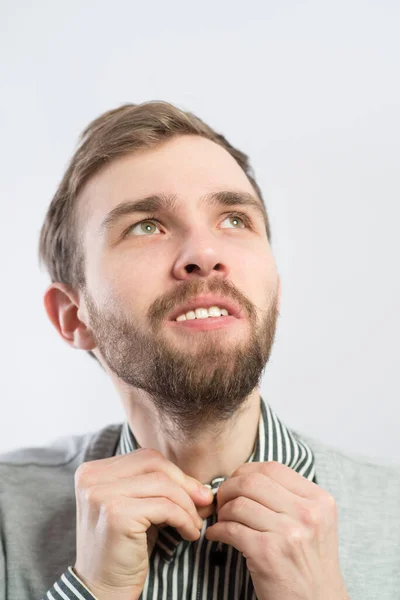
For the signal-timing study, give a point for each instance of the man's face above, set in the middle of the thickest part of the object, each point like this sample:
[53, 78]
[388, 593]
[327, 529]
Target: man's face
[137, 274]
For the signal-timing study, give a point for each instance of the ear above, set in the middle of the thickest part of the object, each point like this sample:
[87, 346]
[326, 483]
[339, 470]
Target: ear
[62, 306]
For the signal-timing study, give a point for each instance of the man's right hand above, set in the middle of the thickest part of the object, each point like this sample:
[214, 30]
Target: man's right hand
[120, 502]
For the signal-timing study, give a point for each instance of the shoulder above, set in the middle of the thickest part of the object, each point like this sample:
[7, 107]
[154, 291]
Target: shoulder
[350, 458]
[362, 474]
[63, 451]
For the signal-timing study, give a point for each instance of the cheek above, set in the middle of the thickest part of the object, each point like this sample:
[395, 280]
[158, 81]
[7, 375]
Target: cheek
[257, 278]
[136, 282]
[256, 268]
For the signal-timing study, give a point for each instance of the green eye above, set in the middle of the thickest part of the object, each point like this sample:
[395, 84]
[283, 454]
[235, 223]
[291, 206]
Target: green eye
[144, 223]
[147, 226]
[235, 218]
[153, 220]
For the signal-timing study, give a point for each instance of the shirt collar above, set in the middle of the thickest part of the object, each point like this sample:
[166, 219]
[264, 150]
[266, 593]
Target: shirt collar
[275, 442]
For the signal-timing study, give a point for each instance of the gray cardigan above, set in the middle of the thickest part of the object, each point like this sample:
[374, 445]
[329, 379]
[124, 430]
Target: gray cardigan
[38, 520]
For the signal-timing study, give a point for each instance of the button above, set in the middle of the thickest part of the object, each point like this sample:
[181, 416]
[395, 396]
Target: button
[218, 557]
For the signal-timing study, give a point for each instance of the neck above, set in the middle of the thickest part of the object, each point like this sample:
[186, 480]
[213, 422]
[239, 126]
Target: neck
[217, 452]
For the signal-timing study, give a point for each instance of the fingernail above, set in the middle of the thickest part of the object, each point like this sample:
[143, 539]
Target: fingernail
[206, 491]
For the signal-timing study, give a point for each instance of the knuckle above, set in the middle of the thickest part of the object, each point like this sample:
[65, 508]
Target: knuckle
[253, 480]
[179, 514]
[310, 514]
[83, 474]
[240, 470]
[329, 502]
[232, 528]
[153, 454]
[294, 535]
[161, 477]
[238, 504]
[329, 510]
[272, 466]
[93, 496]
[170, 506]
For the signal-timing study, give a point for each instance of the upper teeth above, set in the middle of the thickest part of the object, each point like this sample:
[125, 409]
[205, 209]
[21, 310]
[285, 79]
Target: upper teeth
[203, 313]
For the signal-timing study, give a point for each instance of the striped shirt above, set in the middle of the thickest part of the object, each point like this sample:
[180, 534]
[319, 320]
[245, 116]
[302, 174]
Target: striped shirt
[203, 569]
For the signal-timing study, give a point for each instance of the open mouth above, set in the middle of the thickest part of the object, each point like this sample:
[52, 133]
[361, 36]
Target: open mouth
[206, 307]
[205, 324]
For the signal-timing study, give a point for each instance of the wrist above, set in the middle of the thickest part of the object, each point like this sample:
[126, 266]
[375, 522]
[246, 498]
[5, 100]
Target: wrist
[105, 592]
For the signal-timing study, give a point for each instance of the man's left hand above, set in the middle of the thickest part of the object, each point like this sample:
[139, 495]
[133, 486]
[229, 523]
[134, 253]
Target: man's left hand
[286, 528]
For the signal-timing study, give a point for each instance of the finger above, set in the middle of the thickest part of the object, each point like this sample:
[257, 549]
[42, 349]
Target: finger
[148, 485]
[139, 462]
[138, 513]
[286, 476]
[254, 515]
[243, 539]
[206, 511]
[234, 534]
[262, 490]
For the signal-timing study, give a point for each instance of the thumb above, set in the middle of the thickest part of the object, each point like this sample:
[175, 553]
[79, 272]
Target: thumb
[200, 494]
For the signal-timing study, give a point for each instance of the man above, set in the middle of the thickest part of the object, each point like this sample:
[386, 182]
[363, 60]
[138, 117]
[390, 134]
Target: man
[157, 243]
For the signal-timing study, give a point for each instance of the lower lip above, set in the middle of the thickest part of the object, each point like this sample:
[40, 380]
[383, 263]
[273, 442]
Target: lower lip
[205, 324]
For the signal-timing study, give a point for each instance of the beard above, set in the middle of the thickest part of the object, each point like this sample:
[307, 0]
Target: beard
[196, 382]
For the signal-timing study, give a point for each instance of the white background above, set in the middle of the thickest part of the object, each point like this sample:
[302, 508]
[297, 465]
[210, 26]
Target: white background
[310, 90]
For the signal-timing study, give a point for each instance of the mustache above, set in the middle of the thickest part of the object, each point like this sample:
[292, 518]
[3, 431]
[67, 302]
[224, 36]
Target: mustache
[182, 293]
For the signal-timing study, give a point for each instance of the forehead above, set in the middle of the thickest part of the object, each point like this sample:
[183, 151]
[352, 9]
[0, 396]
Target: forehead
[187, 166]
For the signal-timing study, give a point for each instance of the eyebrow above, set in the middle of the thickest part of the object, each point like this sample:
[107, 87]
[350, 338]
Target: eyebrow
[170, 203]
